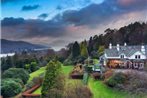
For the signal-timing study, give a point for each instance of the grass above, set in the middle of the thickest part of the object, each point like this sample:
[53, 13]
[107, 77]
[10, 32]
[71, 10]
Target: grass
[37, 73]
[100, 90]
[38, 91]
[66, 69]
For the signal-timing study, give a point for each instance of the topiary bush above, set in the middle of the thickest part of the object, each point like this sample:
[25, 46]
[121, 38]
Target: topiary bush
[10, 88]
[19, 73]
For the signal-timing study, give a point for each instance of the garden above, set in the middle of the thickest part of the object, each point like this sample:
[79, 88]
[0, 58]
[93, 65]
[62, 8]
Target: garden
[108, 85]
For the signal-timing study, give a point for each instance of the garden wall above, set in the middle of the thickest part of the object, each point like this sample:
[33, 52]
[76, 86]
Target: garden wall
[28, 93]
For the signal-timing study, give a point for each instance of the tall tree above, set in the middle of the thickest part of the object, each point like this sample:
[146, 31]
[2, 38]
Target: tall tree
[84, 51]
[52, 71]
[75, 50]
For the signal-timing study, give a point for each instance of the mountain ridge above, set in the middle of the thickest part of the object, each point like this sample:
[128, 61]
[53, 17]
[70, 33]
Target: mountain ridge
[8, 46]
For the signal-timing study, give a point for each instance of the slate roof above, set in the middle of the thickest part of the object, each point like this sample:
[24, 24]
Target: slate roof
[127, 50]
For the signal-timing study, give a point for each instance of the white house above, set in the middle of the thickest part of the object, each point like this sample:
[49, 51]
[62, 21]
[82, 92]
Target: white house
[125, 56]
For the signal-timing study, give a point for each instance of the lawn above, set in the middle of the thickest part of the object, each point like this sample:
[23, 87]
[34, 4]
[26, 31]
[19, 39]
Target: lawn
[37, 73]
[100, 90]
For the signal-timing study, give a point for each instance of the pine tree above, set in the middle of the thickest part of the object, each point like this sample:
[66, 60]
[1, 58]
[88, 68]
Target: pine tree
[52, 71]
[84, 50]
[75, 50]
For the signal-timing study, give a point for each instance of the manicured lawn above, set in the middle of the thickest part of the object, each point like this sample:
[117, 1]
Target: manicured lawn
[37, 73]
[66, 69]
[100, 90]
[38, 91]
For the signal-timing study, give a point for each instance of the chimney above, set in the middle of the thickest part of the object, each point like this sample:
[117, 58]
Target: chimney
[125, 44]
[117, 46]
[110, 46]
[143, 49]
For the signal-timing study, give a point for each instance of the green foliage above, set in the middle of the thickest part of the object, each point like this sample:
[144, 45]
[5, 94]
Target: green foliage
[115, 79]
[52, 71]
[75, 50]
[101, 50]
[31, 67]
[84, 51]
[6, 63]
[16, 73]
[10, 88]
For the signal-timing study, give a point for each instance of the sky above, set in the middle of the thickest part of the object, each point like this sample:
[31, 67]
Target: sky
[56, 23]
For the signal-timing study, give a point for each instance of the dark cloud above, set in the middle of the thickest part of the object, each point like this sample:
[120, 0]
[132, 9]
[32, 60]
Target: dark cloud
[12, 21]
[73, 22]
[9, 1]
[43, 15]
[31, 28]
[98, 13]
[30, 7]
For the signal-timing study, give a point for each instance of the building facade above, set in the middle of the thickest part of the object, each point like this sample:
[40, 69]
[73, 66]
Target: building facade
[125, 56]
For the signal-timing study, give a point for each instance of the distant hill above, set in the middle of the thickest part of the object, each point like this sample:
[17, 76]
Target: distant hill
[8, 46]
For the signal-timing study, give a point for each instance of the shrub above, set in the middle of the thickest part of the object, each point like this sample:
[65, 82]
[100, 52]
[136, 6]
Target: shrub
[77, 90]
[16, 80]
[96, 75]
[108, 74]
[115, 79]
[10, 88]
[136, 82]
[68, 62]
[29, 85]
[16, 73]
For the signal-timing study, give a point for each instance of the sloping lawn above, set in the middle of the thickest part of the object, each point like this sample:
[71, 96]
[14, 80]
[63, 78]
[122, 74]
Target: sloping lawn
[38, 91]
[66, 69]
[100, 90]
[37, 73]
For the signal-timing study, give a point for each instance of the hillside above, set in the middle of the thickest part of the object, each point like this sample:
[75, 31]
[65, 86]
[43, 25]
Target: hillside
[17, 46]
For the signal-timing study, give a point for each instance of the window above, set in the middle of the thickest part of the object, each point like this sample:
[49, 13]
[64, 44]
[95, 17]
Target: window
[137, 56]
[122, 56]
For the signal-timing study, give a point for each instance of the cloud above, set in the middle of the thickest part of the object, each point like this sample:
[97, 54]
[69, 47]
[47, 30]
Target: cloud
[59, 7]
[99, 13]
[43, 16]
[74, 25]
[30, 7]
[12, 21]
[31, 28]
[9, 1]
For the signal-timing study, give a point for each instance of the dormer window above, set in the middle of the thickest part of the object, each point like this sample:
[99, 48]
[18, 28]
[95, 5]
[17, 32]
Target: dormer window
[122, 56]
[137, 56]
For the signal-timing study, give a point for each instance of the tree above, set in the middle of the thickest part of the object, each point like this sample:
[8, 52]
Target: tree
[84, 51]
[75, 50]
[10, 88]
[6, 63]
[33, 66]
[19, 73]
[52, 71]
[101, 50]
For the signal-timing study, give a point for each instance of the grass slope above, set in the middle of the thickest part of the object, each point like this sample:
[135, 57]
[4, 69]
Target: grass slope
[37, 73]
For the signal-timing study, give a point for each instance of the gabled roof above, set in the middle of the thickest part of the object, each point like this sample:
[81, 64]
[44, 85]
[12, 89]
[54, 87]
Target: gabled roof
[127, 50]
